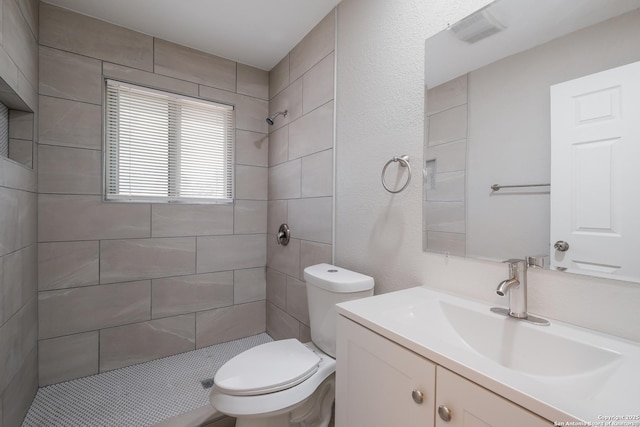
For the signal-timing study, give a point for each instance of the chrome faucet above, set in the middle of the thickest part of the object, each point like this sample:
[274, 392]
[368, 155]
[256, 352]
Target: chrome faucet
[516, 287]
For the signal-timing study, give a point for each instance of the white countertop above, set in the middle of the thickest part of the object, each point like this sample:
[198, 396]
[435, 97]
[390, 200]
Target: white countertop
[416, 319]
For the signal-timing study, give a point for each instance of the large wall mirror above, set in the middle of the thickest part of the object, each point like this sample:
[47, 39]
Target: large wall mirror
[505, 88]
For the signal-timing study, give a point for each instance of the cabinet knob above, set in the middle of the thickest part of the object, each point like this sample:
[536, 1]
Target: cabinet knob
[445, 413]
[417, 396]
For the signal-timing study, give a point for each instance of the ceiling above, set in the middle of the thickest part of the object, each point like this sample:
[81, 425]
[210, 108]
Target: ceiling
[254, 32]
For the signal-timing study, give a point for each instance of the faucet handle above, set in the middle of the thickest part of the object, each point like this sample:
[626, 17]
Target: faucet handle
[536, 261]
[512, 261]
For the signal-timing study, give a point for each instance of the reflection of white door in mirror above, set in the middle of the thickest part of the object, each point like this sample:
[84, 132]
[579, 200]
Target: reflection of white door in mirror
[595, 148]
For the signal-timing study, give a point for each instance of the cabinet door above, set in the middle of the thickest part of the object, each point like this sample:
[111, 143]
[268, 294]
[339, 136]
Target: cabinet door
[473, 406]
[376, 380]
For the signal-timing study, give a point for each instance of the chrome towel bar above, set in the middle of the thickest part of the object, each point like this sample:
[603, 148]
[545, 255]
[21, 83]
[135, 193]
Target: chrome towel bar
[497, 187]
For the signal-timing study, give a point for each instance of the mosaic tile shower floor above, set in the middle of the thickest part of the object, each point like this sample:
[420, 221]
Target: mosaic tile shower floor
[136, 396]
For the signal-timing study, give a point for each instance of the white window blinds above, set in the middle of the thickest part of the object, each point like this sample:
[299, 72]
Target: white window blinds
[164, 147]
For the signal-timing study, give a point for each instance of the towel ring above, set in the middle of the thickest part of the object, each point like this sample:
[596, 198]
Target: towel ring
[404, 162]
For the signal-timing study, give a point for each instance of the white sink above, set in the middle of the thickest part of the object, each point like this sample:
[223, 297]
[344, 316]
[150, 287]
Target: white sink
[557, 371]
[531, 349]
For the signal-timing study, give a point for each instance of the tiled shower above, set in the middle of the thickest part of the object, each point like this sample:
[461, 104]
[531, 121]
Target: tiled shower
[90, 286]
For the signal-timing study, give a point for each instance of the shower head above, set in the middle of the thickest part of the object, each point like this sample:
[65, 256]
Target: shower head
[270, 120]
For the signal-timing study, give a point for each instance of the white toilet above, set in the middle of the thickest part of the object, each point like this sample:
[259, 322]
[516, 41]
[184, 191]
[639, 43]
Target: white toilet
[288, 383]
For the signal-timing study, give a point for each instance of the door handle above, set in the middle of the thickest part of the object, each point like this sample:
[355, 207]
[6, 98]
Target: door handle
[561, 246]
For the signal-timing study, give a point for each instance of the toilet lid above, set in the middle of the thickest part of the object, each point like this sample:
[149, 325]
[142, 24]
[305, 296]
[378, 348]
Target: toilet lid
[267, 368]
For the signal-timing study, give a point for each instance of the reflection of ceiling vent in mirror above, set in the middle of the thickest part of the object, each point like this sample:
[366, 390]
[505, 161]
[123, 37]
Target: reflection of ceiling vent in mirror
[476, 27]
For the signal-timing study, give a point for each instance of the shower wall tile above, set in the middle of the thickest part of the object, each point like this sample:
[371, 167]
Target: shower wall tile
[284, 180]
[285, 259]
[251, 182]
[68, 264]
[276, 288]
[251, 114]
[218, 95]
[253, 82]
[312, 253]
[141, 342]
[69, 170]
[290, 99]
[19, 42]
[317, 84]
[229, 323]
[18, 177]
[18, 215]
[312, 133]
[250, 217]
[222, 253]
[300, 176]
[27, 218]
[9, 227]
[448, 126]
[149, 79]
[136, 259]
[73, 32]
[280, 324]
[252, 148]
[29, 274]
[70, 76]
[12, 283]
[29, 326]
[187, 294]
[20, 391]
[170, 220]
[316, 45]
[70, 123]
[69, 357]
[279, 146]
[317, 174]
[312, 219]
[69, 311]
[297, 305]
[279, 77]
[71, 217]
[249, 285]
[184, 63]
[10, 350]
[276, 215]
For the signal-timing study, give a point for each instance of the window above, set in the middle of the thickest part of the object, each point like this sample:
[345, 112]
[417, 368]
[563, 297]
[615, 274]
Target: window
[163, 147]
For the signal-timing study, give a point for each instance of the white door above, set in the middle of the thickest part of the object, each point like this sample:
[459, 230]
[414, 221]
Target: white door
[595, 173]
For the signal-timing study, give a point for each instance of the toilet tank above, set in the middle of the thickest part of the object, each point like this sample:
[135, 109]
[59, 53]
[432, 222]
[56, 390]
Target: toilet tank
[328, 285]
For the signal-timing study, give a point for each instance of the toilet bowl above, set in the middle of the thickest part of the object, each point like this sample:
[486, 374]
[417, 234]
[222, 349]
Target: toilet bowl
[288, 383]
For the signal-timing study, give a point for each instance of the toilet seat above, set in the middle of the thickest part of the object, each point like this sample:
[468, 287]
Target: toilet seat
[267, 368]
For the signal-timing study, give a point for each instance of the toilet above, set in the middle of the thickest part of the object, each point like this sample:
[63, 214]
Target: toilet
[289, 383]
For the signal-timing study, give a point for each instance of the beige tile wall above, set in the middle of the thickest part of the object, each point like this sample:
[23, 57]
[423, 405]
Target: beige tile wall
[300, 187]
[445, 151]
[119, 283]
[18, 207]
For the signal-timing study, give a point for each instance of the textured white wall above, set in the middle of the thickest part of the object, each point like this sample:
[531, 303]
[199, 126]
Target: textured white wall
[380, 114]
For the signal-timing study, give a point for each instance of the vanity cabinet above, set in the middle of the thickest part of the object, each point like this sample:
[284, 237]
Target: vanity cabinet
[380, 383]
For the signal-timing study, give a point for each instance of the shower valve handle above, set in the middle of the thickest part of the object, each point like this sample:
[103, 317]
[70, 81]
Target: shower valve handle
[284, 235]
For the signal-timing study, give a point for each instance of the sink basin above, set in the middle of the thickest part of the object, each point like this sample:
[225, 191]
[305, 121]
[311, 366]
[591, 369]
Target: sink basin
[530, 349]
[558, 371]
